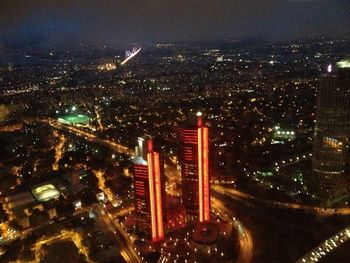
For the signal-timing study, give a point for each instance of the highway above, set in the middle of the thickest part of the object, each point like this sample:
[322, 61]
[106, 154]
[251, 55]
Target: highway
[294, 160]
[326, 247]
[245, 238]
[321, 211]
[126, 249]
[91, 137]
[319, 252]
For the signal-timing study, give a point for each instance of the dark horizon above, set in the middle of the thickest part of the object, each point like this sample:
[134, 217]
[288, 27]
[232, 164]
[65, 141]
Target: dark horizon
[127, 22]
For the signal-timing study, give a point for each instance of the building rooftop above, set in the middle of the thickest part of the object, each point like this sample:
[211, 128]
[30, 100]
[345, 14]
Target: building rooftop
[45, 192]
[343, 63]
[139, 160]
[20, 199]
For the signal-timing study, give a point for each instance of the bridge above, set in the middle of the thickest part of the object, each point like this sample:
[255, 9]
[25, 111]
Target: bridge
[130, 54]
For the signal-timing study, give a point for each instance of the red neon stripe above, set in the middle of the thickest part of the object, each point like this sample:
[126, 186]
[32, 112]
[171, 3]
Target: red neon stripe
[151, 188]
[158, 197]
[200, 174]
[206, 180]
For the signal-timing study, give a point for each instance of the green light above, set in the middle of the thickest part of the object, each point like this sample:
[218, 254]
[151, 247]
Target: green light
[343, 64]
[75, 119]
[74, 108]
[83, 175]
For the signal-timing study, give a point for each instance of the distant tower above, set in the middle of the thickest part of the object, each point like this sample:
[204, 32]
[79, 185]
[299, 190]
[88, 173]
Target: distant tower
[147, 172]
[330, 161]
[194, 154]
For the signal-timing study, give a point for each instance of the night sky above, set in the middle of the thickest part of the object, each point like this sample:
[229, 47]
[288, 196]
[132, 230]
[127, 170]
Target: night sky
[123, 22]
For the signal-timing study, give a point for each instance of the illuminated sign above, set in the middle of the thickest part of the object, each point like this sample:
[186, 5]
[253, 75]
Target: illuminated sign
[155, 190]
[203, 175]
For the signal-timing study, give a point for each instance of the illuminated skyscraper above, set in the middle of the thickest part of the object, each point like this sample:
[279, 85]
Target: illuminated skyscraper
[147, 172]
[330, 161]
[195, 168]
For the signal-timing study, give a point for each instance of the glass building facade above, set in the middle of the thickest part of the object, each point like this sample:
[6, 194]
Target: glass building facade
[330, 162]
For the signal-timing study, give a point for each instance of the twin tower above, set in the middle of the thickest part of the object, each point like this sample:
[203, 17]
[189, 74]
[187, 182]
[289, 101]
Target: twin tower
[149, 178]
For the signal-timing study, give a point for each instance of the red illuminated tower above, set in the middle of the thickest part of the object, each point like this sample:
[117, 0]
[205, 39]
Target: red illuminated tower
[195, 168]
[148, 189]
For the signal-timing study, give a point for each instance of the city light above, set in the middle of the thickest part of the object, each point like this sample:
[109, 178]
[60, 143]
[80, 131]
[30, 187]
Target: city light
[343, 64]
[206, 178]
[203, 175]
[158, 197]
[329, 68]
[200, 175]
[195, 151]
[152, 195]
[149, 171]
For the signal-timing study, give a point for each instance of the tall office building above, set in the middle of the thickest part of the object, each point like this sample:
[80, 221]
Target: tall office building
[330, 161]
[147, 172]
[194, 154]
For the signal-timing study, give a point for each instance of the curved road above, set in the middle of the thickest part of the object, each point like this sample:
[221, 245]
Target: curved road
[245, 238]
[322, 211]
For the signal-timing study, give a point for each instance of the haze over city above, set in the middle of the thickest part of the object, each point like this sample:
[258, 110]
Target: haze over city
[125, 22]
